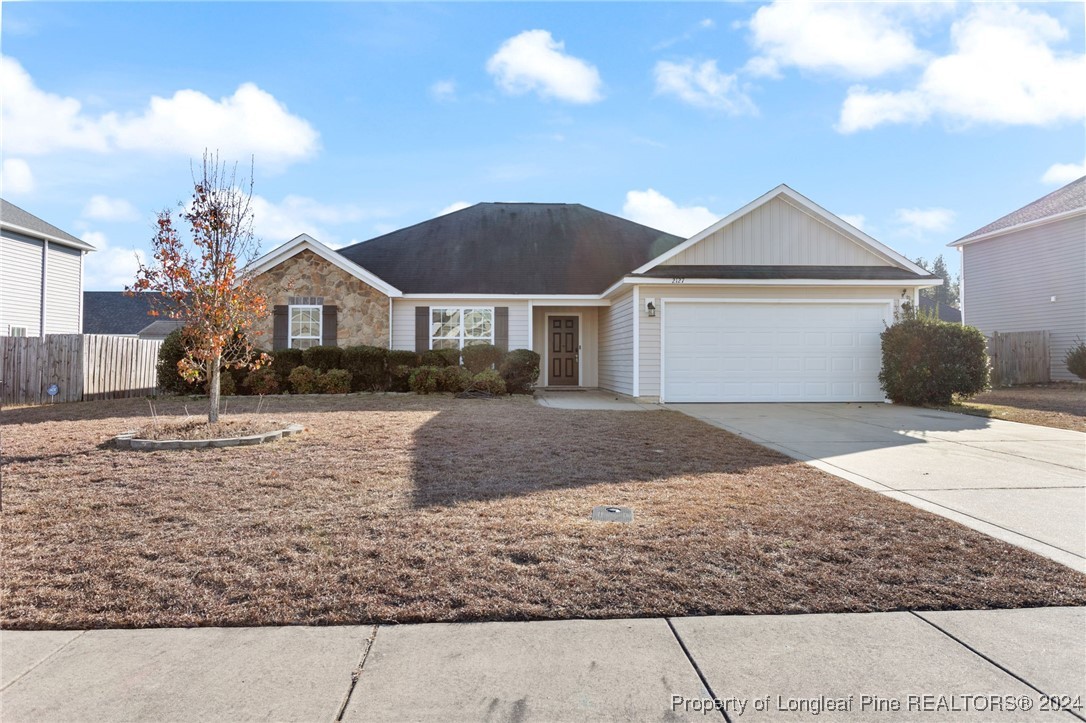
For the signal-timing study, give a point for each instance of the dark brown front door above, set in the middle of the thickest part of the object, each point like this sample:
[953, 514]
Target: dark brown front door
[564, 351]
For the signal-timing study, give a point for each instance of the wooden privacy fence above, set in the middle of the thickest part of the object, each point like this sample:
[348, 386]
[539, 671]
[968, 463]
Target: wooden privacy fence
[1019, 357]
[83, 366]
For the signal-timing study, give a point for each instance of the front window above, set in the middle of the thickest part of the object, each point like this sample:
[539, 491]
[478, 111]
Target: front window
[305, 326]
[455, 328]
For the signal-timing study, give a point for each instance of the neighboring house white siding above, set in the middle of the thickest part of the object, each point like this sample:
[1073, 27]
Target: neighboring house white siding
[63, 292]
[616, 345]
[403, 319]
[777, 233]
[649, 332]
[20, 284]
[1009, 282]
[589, 356]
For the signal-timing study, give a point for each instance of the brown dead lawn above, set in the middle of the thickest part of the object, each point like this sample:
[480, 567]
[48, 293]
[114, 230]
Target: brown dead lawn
[1062, 405]
[411, 509]
[199, 428]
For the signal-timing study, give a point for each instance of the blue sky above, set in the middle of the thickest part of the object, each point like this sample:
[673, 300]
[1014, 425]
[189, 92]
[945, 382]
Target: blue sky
[920, 122]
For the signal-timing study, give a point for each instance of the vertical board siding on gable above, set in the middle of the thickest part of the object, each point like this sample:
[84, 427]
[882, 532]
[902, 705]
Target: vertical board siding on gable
[62, 295]
[403, 319]
[1010, 280]
[777, 233]
[650, 327]
[20, 284]
[616, 345]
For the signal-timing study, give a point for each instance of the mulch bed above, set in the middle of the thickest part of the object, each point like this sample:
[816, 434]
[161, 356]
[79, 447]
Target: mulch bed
[192, 428]
[411, 509]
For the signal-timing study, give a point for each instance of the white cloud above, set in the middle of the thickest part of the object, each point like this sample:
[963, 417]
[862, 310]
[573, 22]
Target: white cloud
[249, 122]
[453, 207]
[15, 177]
[860, 40]
[924, 220]
[282, 221]
[652, 208]
[856, 219]
[110, 268]
[534, 61]
[702, 85]
[104, 208]
[443, 90]
[1003, 69]
[1060, 174]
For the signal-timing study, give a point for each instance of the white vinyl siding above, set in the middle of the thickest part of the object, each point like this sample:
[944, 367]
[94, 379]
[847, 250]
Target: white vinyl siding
[649, 331]
[777, 233]
[403, 318]
[589, 356]
[616, 345]
[20, 284]
[1009, 282]
[63, 296]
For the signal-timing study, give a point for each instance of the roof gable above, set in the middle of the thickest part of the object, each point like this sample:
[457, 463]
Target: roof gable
[765, 231]
[14, 218]
[1061, 203]
[305, 242]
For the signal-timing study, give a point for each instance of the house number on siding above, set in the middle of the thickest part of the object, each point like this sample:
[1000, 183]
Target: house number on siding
[678, 280]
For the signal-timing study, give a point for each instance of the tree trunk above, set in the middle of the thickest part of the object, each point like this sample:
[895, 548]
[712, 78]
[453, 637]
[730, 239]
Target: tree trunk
[213, 390]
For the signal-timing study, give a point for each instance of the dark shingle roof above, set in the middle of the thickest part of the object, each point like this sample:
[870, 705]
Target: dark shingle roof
[10, 214]
[113, 312]
[946, 313]
[1069, 198]
[864, 273]
[512, 248]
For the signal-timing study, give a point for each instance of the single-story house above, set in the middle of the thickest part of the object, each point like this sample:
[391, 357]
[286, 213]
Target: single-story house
[120, 314]
[41, 275]
[1026, 271]
[778, 301]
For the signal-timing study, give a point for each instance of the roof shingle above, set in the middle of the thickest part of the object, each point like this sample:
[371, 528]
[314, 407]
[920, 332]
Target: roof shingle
[10, 214]
[1071, 197]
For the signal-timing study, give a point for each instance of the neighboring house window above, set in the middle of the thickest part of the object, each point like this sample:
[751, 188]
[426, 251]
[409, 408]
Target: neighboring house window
[16, 331]
[455, 328]
[305, 326]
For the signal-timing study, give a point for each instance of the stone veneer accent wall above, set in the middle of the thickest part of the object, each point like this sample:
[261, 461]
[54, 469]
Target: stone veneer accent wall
[362, 309]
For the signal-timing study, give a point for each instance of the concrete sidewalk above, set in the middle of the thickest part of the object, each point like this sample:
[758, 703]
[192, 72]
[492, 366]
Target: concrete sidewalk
[1020, 483]
[931, 666]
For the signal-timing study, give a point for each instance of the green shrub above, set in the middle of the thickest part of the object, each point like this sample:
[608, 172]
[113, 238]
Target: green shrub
[1075, 359]
[368, 366]
[520, 370]
[400, 364]
[479, 357]
[424, 380]
[335, 381]
[323, 358]
[440, 358]
[927, 361]
[169, 354]
[490, 381]
[304, 380]
[227, 386]
[283, 363]
[262, 381]
[454, 379]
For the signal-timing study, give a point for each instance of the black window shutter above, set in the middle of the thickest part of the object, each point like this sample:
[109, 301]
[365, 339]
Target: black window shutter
[422, 329]
[501, 327]
[330, 325]
[280, 328]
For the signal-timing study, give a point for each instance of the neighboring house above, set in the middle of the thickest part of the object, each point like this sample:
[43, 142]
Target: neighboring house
[1027, 272]
[41, 276]
[120, 314]
[779, 301]
[945, 313]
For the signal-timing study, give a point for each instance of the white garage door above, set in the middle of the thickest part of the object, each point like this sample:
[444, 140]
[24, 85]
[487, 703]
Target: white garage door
[772, 352]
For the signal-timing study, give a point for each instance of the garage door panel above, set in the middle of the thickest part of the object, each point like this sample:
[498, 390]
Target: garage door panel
[751, 352]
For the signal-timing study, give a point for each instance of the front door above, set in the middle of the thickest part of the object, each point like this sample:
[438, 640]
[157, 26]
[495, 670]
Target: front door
[564, 351]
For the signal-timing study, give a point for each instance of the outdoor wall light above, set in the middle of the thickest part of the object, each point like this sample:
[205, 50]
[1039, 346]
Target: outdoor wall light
[650, 308]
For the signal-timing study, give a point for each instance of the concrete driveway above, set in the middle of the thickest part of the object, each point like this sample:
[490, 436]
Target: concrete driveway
[1018, 482]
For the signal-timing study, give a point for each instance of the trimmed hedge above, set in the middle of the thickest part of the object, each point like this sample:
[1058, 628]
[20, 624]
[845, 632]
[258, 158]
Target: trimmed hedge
[479, 357]
[400, 364]
[304, 380]
[1075, 359]
[335, 381]
[454, 379]
[425, 379]
[441, 358]
[227, 386]
[284, 361]
[520, 370]
[926, 361]
[262, 381]
[323, 358]
[368, 366]
[169, 354]
[489, 381]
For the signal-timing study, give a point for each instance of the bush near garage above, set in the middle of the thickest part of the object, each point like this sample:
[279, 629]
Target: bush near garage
[520, 370]
[926, 361]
